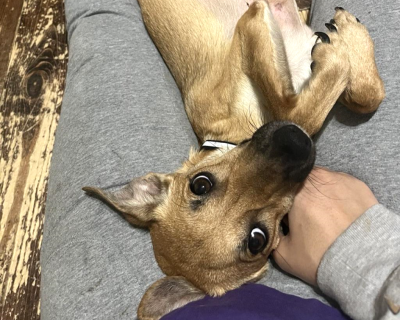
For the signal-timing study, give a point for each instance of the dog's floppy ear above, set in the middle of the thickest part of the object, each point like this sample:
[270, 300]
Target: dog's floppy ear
[166, 295]
[138, 199]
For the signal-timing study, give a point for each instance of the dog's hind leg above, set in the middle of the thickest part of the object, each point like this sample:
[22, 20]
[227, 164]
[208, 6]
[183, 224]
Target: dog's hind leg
[259, 43]
[365, 90]
[298, 39]
[264, 61]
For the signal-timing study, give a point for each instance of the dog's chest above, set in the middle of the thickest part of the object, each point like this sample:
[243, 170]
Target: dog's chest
[251, 103]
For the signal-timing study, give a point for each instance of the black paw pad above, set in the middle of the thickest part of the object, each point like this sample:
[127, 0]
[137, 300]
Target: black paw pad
[339, 8]
[323, 36]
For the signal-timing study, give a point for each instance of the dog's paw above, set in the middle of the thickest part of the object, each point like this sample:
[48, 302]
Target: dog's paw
[354, 34]
[329, 56]
[364, 91]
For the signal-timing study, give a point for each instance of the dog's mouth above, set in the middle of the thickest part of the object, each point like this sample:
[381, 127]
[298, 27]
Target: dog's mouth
[289, 146]
[284, 225]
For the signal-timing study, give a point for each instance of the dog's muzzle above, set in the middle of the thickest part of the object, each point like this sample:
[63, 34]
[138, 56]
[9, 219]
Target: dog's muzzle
[289, 145]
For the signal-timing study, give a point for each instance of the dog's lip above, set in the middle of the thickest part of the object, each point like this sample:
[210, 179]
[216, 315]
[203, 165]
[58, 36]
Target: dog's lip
[278, 234]
[278, 239]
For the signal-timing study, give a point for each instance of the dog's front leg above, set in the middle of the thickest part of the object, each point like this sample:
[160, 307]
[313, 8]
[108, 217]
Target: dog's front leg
[344, 69]
[365, 90]
[330, 77]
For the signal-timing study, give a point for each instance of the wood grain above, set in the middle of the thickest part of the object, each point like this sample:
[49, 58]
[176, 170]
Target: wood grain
[10, 11]
[29, 109]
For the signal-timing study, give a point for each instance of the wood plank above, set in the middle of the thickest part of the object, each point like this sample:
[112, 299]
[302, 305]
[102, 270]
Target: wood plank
[10, 11]
[305, 15]
[304, 4]
[29, 110]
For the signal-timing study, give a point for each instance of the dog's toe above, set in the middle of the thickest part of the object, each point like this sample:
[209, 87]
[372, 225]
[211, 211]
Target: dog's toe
[344, 17]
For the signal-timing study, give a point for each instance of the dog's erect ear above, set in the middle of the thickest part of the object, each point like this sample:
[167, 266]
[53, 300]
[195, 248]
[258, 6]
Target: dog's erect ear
[138, 199]
[166, 295]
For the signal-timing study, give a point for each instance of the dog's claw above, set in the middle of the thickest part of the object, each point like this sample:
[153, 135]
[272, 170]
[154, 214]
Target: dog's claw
[312, 49]
[358, 20]
[331, 27]
[323, 36]
[339, 8]
[312, 66]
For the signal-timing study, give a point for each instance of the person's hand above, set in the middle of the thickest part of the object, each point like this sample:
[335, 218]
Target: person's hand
[323, 208]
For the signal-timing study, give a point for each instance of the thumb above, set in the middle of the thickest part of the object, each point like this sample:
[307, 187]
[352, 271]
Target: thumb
[281, 253]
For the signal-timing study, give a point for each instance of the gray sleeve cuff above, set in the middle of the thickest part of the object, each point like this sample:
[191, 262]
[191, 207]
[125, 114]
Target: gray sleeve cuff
[354, 269]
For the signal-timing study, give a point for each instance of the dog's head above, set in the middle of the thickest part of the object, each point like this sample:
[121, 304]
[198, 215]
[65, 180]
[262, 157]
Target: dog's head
[214, 222]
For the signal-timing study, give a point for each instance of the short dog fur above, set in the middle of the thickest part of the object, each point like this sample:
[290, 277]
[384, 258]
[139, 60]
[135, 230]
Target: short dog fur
[243, 69]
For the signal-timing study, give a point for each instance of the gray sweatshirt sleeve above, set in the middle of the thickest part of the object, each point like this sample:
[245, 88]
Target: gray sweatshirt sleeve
[361, 270]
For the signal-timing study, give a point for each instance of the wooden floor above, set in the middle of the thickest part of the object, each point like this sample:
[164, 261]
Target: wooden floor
[33, 63]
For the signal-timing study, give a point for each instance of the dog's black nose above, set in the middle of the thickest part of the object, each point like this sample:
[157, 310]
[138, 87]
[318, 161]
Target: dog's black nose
[291, 143]
[286, 145]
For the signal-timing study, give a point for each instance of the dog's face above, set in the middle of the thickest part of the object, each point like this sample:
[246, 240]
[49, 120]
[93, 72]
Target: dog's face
[216, 220]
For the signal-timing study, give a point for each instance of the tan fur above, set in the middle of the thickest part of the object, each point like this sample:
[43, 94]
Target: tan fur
[237, 67]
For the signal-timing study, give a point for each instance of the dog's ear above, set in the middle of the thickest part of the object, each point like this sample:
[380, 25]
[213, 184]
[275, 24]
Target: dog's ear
[166, 295]
[138, 199]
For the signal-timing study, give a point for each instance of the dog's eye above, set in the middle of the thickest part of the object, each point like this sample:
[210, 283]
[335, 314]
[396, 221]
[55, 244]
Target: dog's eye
[258, 239]
[201, 184]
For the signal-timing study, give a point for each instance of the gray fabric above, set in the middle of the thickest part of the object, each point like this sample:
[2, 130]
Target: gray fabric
[122, 116]
[355, 268]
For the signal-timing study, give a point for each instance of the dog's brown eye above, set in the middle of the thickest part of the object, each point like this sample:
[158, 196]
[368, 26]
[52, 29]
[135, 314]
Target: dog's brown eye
[201, 184]
[257, 240]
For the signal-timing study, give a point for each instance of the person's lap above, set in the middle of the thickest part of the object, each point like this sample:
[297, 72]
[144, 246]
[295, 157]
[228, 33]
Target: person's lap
[123, 116]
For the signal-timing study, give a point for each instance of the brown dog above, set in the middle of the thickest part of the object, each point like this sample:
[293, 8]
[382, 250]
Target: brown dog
[239, 66]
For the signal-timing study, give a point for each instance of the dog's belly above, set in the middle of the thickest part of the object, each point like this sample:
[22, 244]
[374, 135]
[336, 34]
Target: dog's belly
[227, 12]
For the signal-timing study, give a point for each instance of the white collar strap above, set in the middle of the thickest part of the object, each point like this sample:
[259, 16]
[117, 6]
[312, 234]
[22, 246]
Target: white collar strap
[214, 144]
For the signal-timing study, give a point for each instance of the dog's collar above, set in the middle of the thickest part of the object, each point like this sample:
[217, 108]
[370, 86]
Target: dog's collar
[215, 144]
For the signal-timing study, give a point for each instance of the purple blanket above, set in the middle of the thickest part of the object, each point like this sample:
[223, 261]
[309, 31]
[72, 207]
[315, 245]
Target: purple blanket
[256, 302]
